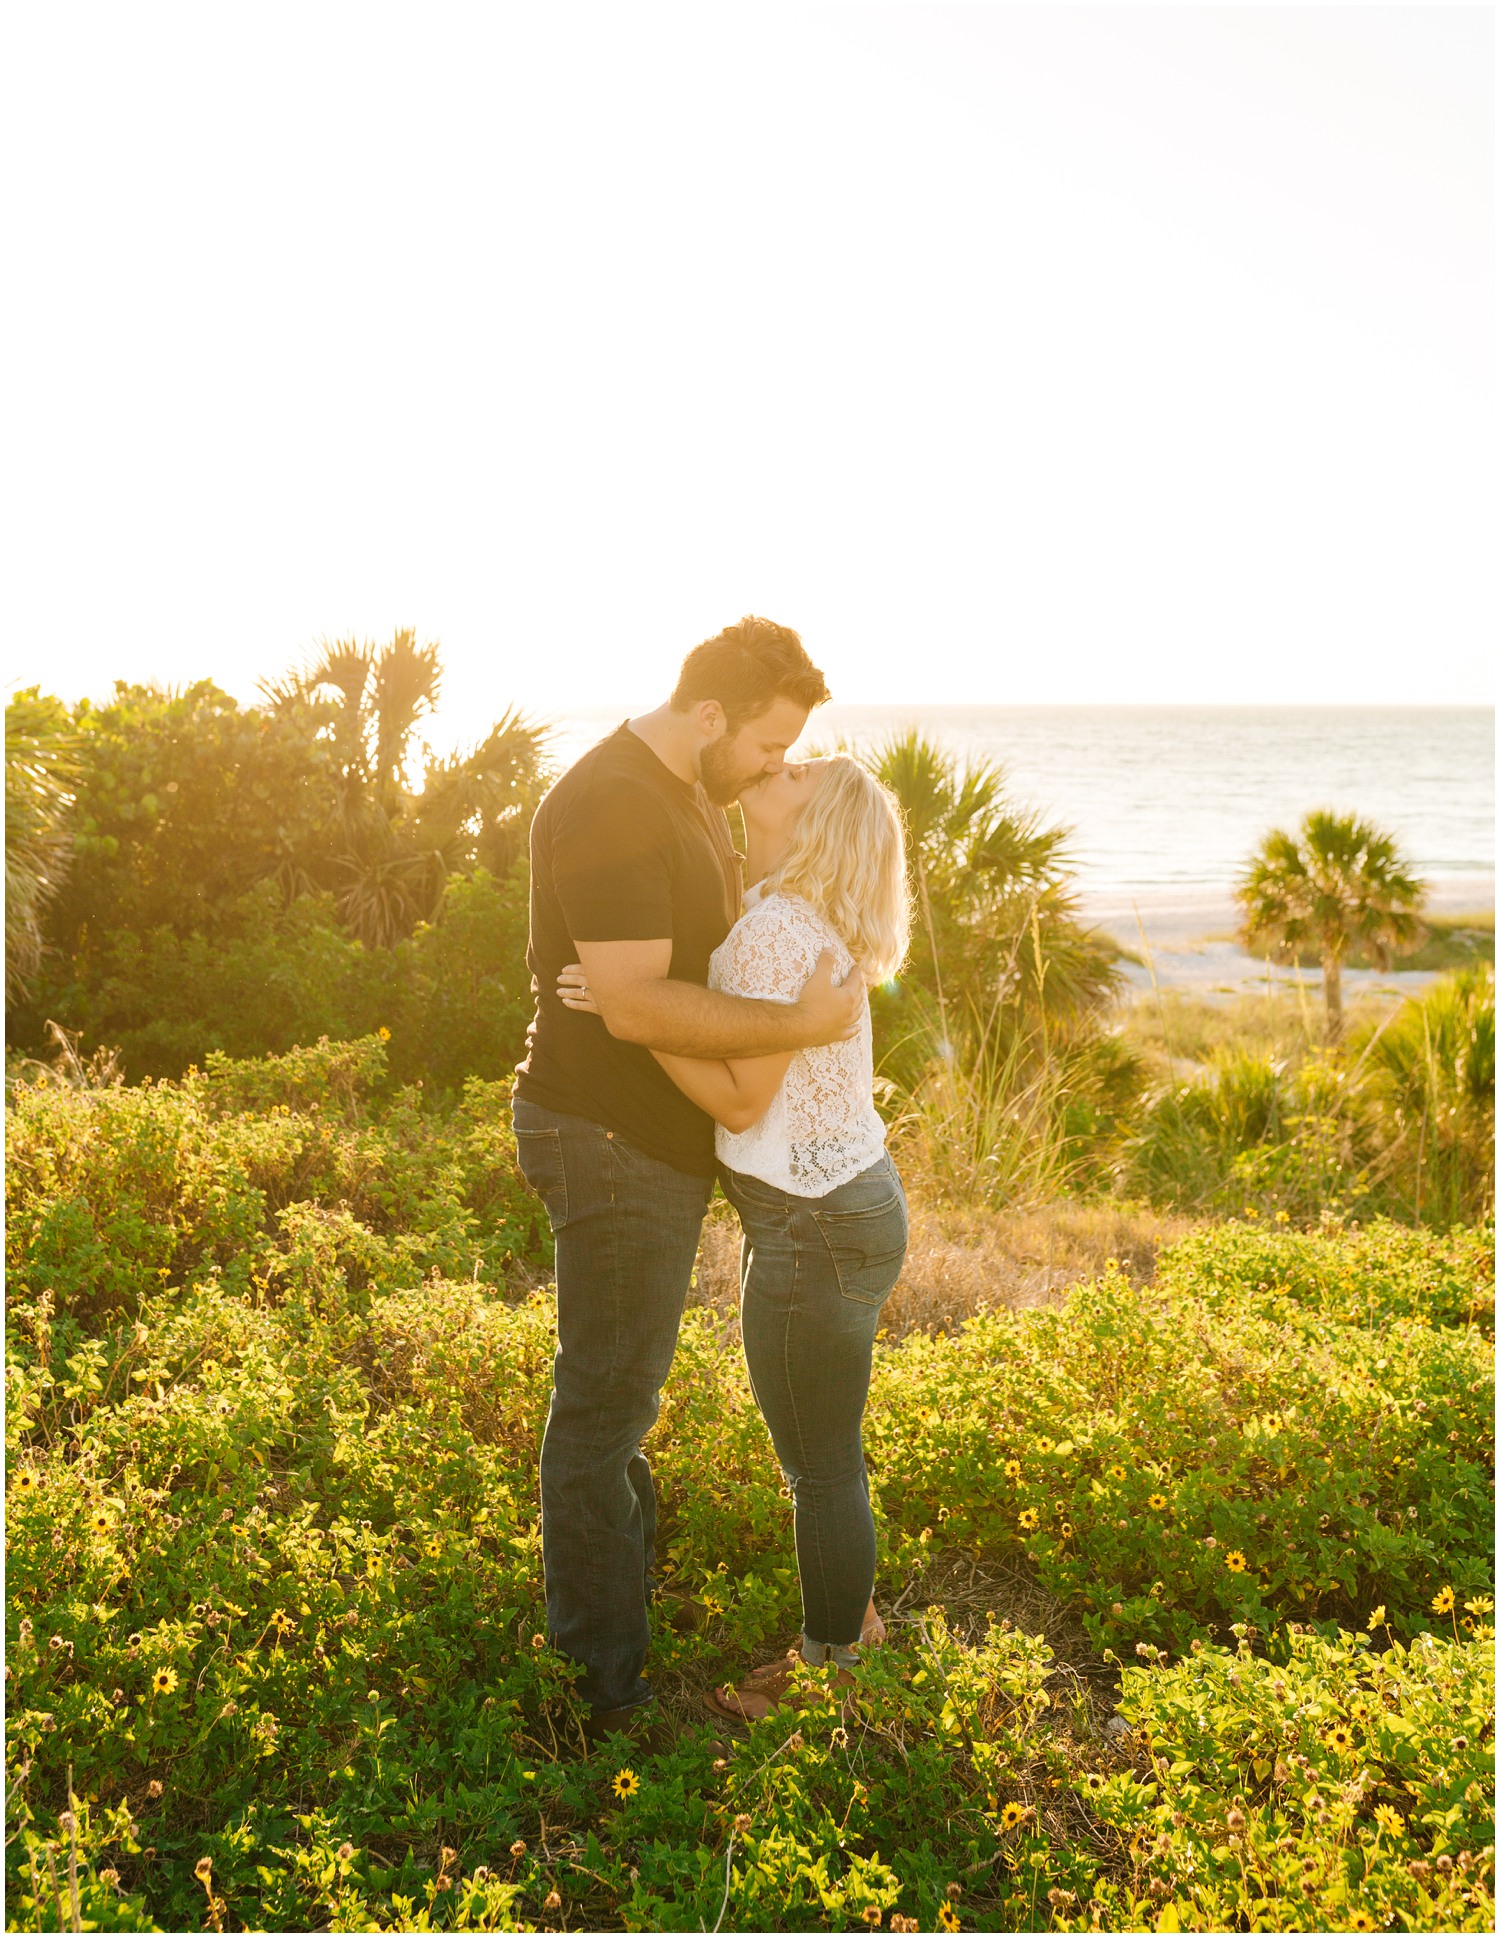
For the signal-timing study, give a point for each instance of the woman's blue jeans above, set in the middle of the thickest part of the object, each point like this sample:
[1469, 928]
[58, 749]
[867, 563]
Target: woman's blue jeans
[814, 1274]
[627, 1233]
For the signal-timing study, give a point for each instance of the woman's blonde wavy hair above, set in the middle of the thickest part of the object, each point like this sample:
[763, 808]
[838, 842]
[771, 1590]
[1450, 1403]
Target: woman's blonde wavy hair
[848, 859]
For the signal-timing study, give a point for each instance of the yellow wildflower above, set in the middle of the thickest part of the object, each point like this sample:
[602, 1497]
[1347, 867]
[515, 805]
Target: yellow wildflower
[1012, 1470]
[1157, 1502]
[1442, 1601]
[947, 1918]
[164, 1682]
[1117, 1472]
[1390, 1821]
[1234, 1561]
[626, 1784]
[1011, 1815]
[1027, 1518]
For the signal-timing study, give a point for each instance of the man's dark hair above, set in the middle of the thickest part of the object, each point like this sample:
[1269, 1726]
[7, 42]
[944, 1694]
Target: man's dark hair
[746, 668]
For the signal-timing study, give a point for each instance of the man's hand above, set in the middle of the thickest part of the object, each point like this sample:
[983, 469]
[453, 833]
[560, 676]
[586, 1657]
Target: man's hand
[627, 986]
[830, 1014]
[825, 1012]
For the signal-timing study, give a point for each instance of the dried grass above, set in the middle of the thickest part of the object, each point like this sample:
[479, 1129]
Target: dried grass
[962, 1260]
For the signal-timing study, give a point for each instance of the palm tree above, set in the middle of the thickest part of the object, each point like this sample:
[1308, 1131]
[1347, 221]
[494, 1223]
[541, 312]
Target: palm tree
[997, 915]
[41, 774]
[388, 847]
[1336, 885]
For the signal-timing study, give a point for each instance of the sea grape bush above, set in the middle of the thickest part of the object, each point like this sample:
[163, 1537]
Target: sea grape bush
[259, 1172]
[1329, 1783]
[1176, 1461]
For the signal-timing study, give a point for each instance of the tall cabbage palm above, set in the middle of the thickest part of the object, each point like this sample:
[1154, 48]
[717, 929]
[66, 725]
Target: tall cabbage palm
[1337, 885]
[997, 918]
[41, 774]
[388, 846]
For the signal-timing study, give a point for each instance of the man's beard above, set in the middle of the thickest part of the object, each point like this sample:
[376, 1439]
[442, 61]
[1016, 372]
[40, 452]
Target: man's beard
[721, 778]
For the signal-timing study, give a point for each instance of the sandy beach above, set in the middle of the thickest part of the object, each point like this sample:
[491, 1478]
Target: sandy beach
[1188, 937]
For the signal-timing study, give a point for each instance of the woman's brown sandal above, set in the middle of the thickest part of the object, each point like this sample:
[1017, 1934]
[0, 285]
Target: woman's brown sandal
[766, 1687]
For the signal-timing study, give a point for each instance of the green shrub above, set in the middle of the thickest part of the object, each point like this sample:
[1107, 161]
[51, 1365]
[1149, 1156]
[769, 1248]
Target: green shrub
[255, 1172]
[1174, 1460]
[1322, 1787]
[1400, 1121]
[1367, 1277]
[260, 978]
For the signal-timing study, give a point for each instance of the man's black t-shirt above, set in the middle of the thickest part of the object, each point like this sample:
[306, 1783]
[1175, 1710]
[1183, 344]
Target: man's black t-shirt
[623, 851]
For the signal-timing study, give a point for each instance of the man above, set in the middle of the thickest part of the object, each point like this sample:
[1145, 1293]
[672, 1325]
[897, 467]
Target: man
[634, 874]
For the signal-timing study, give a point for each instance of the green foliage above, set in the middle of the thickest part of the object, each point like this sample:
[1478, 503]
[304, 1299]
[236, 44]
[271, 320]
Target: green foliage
[1435, 1069]
[1261, 1133]
[1400, 1121]
[455, 996]
[275, 1575]
[1324, 1786]
[229, 866]
[1177, 1458]
[306, 1170]
[1367, 1277]
[185, 800]
[1010, 1119]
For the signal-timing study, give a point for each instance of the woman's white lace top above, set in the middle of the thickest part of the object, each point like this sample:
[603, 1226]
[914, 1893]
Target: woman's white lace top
[822, 1127]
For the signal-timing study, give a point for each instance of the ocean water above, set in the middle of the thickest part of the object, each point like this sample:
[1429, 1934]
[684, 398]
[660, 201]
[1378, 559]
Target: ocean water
[1166, 803]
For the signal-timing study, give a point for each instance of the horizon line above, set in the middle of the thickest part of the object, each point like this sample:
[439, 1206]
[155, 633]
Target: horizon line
[1080, 706]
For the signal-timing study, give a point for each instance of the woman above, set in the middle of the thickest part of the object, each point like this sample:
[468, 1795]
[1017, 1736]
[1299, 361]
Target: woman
[802, 1159]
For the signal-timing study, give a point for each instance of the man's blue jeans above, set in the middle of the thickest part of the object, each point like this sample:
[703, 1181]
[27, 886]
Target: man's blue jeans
[814, 1274]
[627, 1231]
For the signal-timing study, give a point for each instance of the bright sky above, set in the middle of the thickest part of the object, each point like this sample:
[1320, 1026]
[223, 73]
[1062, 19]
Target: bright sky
[1009, 352]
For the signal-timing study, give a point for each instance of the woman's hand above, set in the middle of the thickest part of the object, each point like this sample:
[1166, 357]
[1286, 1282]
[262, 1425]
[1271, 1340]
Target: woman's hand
[573, 990]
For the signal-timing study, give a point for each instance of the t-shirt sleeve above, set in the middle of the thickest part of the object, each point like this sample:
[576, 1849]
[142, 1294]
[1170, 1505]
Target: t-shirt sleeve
[770, 953]
[611, 865]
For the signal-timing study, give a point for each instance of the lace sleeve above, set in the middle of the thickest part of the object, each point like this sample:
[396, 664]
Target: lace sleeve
[770, 952]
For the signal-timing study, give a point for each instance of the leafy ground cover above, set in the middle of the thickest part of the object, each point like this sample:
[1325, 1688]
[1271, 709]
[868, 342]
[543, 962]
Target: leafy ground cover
[1188, 1581]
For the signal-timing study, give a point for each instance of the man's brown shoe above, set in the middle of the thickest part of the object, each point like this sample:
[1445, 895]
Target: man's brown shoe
[642, 1722]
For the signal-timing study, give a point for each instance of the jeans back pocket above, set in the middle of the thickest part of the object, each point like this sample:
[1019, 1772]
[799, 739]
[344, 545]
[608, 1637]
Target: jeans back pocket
[867, 1244]
[539, 1154]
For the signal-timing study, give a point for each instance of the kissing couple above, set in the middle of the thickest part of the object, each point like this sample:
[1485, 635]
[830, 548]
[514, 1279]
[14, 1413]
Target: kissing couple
[689, 1028]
